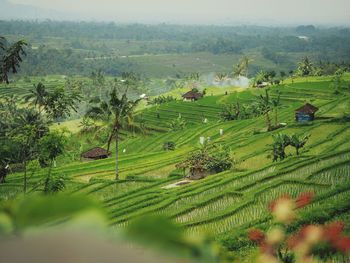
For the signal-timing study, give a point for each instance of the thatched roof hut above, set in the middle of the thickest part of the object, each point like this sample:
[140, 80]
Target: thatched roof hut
[191, 96]
[305, 113]
[96, 153]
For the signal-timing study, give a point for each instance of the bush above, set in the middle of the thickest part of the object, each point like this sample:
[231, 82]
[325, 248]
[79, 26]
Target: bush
[57, 184]
[178, 124]
[161, 100]
[221, 160]
[239, 111]
[214, 160]
[169, 146]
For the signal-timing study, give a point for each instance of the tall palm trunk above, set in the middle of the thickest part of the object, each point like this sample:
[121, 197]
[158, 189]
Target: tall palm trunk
[110, 141]
[276, 117]
[268, 121]
[116, 155]
[25, 177]
[48, 178]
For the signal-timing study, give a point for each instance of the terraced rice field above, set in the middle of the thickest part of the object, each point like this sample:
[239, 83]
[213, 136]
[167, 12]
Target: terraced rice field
[224, 205]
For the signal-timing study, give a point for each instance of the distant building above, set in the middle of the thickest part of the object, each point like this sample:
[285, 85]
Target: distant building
[192, 96]
[304, 38]
[144, 97]
[96, 153]
[305, 113]
[262, 85]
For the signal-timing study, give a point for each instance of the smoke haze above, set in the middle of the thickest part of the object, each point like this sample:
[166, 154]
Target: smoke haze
[268, 12]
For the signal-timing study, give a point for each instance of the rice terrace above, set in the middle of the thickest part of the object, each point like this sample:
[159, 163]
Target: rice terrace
[138, 143]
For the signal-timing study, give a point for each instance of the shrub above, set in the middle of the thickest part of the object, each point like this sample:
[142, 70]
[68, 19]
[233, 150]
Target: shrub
[281, 141]
[178, 124]
[239, 111]
[131, 178]
[221, 160]
[161, 100]
[169, 146]
[56, 184]
[214, 160]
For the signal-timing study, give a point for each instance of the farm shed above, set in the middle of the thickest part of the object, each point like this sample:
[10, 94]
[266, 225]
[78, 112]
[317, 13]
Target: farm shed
[96, 153]
[192, 96]
[305, 113]
[262, 84]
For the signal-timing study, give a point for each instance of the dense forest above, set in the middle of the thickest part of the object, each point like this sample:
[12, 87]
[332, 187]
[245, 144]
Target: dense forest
[82, 47]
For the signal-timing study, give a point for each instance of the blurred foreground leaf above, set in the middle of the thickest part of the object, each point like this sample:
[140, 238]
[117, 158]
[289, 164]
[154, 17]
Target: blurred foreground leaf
[45, 210]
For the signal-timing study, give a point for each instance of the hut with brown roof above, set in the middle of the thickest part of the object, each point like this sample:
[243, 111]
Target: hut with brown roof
[96, 153]
[192, 96]
[305, 113]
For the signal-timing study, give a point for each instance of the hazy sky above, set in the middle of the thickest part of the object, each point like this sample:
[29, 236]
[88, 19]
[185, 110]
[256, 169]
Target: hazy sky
[204, 11]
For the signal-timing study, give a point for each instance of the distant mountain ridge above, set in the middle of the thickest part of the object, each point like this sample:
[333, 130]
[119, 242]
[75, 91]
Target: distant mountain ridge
[9, 10]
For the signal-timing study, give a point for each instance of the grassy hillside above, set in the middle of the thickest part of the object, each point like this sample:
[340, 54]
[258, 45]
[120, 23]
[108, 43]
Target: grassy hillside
[227, 204]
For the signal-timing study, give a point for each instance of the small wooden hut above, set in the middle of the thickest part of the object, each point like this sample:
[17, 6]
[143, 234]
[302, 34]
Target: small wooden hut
[96, 153]
[192, 96]
[305, 113]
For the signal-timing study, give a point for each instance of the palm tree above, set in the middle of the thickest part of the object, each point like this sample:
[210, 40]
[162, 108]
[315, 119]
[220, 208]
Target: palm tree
[11, 58]
[51, 146]
[276, 103]
[305, 67]
[37, 96]
[265, 107]
[221, 77]
[241, 69]
[29, 128]
[98, 80]
[178, 124]
[298, 142]
[281, 141]
[116, 114]
[238, 70]
[231, 112]
[245, 61]
[2, 42]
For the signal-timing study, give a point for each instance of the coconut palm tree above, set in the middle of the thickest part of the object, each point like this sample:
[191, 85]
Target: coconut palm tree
[265, 107]
[245, 61]
[28, 129]
[98, 80]
[241, 69]
[37, 96]
[10, 58]
[115, 114]
[276, 103]
[221, 77]
[2, 42]
[51, 146]
[238, 70]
